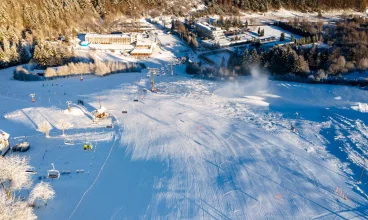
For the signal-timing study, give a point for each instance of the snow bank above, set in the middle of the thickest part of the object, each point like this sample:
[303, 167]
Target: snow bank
[361, 107]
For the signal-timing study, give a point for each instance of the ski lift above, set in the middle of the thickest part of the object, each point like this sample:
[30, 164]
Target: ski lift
[124, 112]
[109, 126]
[87, 146]
[53, 174]
[31, 170]
[68, 141]
[135, 100]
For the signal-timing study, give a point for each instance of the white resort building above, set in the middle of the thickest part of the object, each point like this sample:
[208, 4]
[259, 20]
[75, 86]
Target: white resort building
[124, 39]
[143, 48]
[210, 31]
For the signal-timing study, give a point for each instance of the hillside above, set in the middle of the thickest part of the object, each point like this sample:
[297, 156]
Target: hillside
[303, 5]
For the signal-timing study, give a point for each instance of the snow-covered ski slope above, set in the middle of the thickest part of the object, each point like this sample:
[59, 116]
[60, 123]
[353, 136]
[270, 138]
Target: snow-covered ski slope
[197, 149]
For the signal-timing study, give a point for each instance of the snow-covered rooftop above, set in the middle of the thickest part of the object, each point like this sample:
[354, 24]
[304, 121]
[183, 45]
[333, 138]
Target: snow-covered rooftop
[108, 35]
[3, 135]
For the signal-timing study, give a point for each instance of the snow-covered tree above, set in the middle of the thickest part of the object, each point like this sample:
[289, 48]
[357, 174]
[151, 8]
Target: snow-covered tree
[50, 72]
[64, 125]
[45, 127]
[41, 191]
[12, 208]
[13, 175]
[282, 36]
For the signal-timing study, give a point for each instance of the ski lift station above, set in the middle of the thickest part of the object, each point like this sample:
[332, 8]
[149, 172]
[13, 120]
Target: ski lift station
[4, 142]
[100, 113]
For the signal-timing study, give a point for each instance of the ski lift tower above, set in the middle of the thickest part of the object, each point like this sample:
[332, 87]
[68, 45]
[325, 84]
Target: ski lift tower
[153, 72]
[33, 95]
[68, 103]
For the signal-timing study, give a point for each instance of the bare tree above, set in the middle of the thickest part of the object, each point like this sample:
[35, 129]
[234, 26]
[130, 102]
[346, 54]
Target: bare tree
[363, 64]
[14, 209]
[50, 72]
[41, 191]
[45, 127]
[13, 175]
[64, 125]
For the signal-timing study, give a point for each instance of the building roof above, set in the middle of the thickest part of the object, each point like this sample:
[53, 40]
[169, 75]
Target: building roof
[101, 110]
[108, 35]
[144, 43]
[141, 51]
[4, 135]
[207, 26]
[84, 43]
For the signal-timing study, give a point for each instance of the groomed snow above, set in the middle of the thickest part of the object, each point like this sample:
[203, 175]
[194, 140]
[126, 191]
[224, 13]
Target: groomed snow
[197, 149]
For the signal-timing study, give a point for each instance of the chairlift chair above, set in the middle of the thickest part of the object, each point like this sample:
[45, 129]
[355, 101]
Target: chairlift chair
[53, 174]
[31, 170]
[68, 141]
[87, 146]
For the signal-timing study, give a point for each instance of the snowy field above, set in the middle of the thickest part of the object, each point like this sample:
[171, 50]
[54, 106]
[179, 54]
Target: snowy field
[217, 58]
[197, 149]
[172, 43]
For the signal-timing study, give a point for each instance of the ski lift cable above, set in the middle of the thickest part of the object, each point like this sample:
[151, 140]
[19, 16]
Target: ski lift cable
[117, 137]
[98, 175]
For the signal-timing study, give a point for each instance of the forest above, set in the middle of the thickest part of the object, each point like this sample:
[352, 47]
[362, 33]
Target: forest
[302, 5]
[26, 26]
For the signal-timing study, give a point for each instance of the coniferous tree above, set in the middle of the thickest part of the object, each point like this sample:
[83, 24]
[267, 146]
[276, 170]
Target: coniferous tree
[282, 37]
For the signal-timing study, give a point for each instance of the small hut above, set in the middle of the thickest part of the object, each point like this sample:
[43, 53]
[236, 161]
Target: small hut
[100, 113]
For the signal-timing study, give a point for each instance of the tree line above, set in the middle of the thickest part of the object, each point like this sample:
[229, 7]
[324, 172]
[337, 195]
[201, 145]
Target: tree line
[216, 6]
